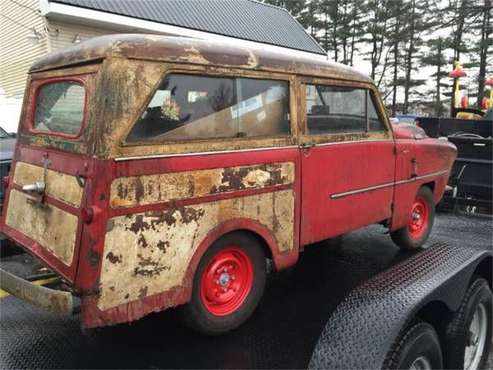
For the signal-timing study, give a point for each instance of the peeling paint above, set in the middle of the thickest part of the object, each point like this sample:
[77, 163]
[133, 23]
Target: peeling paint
[53, 228]
[150, 189]
[58, 185]
[173, 235]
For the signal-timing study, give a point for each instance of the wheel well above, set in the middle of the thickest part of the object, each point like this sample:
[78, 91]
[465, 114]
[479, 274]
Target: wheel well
[261, 240]
[437, 314]
[484, 270]
[430, 185]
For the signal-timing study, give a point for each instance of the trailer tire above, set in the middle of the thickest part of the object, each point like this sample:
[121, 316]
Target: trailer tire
[417, 347]
[476, 305]
[416, 233]
[228, 284]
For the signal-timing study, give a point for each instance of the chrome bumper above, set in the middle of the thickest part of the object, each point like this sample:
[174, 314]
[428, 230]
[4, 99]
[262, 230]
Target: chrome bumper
[52, 300]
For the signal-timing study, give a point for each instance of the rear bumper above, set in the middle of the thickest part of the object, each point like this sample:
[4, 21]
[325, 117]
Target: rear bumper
[50, 299]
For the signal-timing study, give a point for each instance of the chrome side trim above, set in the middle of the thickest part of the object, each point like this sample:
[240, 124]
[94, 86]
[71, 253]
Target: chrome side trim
[157, 156]
[356, 142]
[385, 185]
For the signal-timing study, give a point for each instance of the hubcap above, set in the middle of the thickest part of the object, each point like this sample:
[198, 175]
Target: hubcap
[419, 218]
[421, 363]
[226, 281]
[476, 338]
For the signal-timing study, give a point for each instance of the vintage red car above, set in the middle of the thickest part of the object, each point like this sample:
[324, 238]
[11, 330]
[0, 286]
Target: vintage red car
[153, 172]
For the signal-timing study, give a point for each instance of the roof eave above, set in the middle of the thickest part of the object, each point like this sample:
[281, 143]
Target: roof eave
[54, 10]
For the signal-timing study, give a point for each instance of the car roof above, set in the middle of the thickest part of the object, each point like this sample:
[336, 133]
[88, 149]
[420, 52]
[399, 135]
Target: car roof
[204, 52]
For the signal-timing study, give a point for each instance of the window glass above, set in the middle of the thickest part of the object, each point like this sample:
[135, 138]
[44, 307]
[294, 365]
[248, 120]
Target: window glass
[60, 108]
[375, 122]
[334, 109]
[187, 107]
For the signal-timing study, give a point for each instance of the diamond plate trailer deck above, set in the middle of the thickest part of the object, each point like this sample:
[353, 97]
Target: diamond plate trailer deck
[282, 334]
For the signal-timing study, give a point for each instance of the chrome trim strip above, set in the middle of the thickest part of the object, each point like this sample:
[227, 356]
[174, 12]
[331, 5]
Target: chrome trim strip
[385, 185]
[157, 156]
[355, 142]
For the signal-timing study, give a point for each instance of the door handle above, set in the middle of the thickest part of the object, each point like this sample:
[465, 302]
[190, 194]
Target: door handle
[306, 145]
[414, 168]
[38, 187]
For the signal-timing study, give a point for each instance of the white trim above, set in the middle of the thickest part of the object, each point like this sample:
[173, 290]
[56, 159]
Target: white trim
[109, 20]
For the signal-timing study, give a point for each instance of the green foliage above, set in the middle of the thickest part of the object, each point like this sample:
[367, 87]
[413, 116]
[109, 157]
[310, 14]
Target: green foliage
[400, 38]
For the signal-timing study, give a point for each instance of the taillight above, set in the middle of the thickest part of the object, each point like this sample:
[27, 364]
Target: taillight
[6, 182]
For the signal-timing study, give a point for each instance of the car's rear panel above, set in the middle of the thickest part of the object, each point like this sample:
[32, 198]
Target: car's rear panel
[48, 222]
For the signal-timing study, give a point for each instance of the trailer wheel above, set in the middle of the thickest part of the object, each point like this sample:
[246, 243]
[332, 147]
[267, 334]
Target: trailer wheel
[418, 347]
[468, 335]
[228, 284]
[418, 229]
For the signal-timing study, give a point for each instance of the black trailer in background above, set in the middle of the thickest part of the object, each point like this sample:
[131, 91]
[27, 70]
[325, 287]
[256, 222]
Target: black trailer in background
[472, 176]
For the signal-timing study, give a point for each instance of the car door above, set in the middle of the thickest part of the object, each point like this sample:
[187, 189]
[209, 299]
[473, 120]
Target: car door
[348, 161]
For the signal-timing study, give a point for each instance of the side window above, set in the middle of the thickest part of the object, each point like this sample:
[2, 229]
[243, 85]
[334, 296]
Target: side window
[188, 107]
[336, 109]
[375, 121]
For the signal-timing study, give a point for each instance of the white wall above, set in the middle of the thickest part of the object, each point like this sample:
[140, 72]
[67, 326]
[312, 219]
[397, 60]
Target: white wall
[10, 110]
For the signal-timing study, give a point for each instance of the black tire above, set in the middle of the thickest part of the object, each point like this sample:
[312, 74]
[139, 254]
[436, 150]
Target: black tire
[457, 334]
[403, 237]
[195, 314]
[419, 341]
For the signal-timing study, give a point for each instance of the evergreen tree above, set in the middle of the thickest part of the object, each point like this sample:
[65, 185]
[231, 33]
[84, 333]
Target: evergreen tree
[436, 57]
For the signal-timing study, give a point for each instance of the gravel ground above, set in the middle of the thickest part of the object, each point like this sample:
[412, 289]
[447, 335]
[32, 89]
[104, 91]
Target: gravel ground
[281, 334]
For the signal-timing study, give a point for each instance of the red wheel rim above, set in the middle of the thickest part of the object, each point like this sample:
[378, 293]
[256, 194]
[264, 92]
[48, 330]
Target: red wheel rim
[226, 281]
[419, 218]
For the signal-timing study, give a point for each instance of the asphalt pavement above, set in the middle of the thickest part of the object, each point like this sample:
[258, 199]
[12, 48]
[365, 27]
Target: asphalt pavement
[281, 334]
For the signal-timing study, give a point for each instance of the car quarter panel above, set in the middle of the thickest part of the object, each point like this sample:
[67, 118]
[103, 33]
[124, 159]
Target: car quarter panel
[163, 213]
[419, 162]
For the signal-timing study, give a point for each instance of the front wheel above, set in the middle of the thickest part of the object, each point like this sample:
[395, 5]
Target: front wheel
[228, 284]
[418, 229]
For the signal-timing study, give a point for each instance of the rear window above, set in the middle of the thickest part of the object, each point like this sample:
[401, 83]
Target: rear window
[188, 107]
[59, 108]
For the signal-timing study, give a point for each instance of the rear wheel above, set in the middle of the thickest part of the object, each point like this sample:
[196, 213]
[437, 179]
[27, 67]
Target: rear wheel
[469, 333]
[417, 348]
[228, 284]
[421, 219]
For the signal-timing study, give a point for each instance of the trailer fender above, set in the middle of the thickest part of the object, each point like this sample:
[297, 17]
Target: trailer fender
[366, 323]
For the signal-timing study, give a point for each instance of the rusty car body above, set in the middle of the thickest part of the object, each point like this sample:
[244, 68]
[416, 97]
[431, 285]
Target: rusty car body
[126, 217]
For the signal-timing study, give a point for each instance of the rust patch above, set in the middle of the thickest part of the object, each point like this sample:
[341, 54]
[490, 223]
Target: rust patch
[93, 257]
[151, 189]
[173, 235]
[114, 258]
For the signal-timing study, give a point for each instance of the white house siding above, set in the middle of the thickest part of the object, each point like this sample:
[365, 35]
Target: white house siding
[68, 31]
[16, 54]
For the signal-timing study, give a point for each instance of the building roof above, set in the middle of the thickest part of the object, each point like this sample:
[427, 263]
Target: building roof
[196, 51]
[242, 19]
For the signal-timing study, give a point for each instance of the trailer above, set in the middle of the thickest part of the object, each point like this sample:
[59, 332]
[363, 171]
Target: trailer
[470, 186]
[352, 303]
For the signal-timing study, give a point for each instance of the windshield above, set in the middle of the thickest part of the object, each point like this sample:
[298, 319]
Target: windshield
[60, 108]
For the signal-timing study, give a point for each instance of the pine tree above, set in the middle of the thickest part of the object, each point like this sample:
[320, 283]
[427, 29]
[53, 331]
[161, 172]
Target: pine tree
[436, 57]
